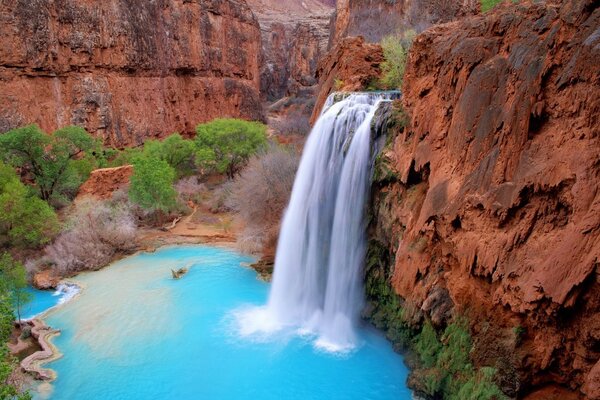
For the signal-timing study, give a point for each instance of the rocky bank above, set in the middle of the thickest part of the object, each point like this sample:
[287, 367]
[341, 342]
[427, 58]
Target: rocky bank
[127, 70]
[487, 202]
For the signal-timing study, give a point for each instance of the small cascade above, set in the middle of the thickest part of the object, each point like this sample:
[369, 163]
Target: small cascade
[317, 283]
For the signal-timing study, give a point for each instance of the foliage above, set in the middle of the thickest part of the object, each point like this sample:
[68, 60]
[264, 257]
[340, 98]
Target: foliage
[487, 5]
[125, 157]
[428, 346]
[58, 163]
[338, 84]
[13, 281]
[395, 52]
[8, 391]
[176, 151]
[480, 386]
[225, 145]
[445, 369]
[261, 193]
[25, 220]
[151, 185]
[95, 232]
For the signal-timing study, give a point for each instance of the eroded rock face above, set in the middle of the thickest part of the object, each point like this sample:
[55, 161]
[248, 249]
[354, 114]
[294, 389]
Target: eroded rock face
[104, 182]
[350, 66]
[294, 38]
[375, 19]
[127, 70]
[495, 190]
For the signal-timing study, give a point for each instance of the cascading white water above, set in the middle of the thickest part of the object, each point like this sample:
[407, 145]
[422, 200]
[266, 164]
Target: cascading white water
[317, 283]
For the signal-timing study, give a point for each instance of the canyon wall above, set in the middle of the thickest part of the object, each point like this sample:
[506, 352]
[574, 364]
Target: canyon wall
[294, 38]
[375, 19]
[488, 205]
[127, 70]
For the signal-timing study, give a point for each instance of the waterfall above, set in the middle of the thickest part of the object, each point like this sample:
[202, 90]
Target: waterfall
[317, 282]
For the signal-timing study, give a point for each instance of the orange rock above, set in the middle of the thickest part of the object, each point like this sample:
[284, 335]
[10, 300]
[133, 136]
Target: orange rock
[102, 183]
[375, 19]
[499, 186]
[127, 72]
[352, 64]
[45, 280]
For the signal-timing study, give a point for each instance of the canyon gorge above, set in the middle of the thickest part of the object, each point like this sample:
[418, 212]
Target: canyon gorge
[485, 200]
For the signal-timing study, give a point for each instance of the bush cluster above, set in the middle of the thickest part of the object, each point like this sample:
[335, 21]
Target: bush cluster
[95, 232]
[261, 193]
[395, 52]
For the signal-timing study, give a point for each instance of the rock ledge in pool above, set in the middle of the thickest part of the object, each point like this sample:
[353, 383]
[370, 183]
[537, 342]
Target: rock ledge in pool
[32, 364]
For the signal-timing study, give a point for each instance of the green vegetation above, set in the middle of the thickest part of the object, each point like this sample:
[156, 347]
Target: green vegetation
[151, 184]
[13, 281]
[395, 52]
[176, 151]
[445, 369]
[487, 5]
[25, 220]
[226, 145]
[57, 163]
[8, 391]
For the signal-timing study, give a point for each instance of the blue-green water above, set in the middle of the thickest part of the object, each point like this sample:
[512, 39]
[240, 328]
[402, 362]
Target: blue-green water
[43, 300]
[135, 333]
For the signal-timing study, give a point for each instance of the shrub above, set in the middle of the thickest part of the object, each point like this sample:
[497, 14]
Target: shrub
[295, 122]
[58, 163]
[125, 157]
[395, 52]
[487, 5]
[428, 346]
[261, 193]
[151, 185]
[190, 189]
[220, 200]
[176, 151]
[7, 364]
[25, 220]
[226, 145]
[480, 386]
[96, 231]
[13, 281]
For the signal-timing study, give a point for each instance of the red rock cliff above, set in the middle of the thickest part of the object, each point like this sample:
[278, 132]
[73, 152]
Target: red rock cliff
[375, 19]
[495, 211]
[127, 70]
[294, 38]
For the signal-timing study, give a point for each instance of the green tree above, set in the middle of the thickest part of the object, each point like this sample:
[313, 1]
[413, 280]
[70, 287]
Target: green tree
[175, 150]
[226, 145]
[151, 184]
[25, 220]
[56, 162]
[395, 53]
[13, 282]
[7, 363]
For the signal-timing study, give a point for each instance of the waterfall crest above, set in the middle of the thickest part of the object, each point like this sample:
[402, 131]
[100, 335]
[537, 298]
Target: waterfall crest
[317, 282]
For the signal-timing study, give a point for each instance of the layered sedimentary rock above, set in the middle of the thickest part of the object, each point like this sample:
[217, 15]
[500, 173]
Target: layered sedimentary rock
[294, 37]
[375, 19]
[127, 70]
[491, 208]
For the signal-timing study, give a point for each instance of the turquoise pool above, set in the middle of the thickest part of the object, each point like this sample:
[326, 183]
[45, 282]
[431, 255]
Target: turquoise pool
[43, 300]
[135, 333]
